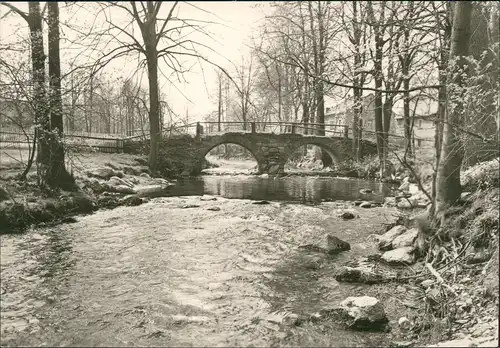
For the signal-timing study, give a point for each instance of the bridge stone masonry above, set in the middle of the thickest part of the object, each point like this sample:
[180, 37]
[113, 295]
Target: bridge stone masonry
[270, 150]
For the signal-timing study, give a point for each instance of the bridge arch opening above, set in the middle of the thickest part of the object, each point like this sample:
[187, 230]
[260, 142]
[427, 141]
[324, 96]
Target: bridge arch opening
[229, 157]
[308, 157]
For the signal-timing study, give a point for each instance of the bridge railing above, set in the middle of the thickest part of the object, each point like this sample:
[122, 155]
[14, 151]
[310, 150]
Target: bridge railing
[273, 127]
[330, 130]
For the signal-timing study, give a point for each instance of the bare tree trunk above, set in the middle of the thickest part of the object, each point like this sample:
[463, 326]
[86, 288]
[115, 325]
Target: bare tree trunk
[448, 176]
[387, 111]
[441, 112]
[357, 112]
[319, 62]
[42, 121]
[153, 108]
[358, 81]
[148, 30]
[482, 116]
[378, 77]
[219, 112]
[56, 175]
[71, 118]
[89, 101]
[379, 130]
[406, 118]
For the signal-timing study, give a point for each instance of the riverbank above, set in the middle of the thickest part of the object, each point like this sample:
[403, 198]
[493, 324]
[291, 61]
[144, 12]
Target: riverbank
[461, 290]
[103, 181]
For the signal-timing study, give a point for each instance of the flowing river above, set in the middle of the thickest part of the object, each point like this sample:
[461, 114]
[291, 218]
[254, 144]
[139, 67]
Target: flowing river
[182, 271]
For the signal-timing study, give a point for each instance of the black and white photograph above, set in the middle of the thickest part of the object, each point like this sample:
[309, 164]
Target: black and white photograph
[249, 173]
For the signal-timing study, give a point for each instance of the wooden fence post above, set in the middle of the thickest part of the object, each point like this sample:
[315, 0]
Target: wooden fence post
[253, 127]
[294, 128]
[346, 131]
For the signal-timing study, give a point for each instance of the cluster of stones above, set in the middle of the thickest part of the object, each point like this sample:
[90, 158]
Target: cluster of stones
[128, 187]
[272, 154]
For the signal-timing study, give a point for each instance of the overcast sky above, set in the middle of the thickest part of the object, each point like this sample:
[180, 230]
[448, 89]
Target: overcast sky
[235, 22]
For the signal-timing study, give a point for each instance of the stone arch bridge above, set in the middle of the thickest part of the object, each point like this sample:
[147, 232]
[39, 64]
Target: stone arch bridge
[270, 150]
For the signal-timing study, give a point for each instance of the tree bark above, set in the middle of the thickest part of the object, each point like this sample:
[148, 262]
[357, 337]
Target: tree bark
[148, 30]
[448, 176]
[319, 62]
[358, 81]
[154, 123]
[443, 57]
[482, 115]
[56, 175]
[38, 57]
[379, 129]
[219, 111]
[378, 77]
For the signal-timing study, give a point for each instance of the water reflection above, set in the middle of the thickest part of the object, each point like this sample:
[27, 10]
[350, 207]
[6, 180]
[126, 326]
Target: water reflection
[295, 188]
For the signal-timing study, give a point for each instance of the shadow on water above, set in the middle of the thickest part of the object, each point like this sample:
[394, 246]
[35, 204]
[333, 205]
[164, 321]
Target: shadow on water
[292, 189]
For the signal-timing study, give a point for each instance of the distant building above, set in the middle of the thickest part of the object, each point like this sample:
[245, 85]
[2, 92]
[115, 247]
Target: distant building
[342, 113]
[423, 114]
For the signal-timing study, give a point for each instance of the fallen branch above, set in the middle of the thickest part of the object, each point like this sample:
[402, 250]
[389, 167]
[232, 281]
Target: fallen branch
[439, 278]
[419, 182]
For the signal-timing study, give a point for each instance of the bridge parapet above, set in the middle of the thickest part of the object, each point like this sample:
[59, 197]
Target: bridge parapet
[273, 127]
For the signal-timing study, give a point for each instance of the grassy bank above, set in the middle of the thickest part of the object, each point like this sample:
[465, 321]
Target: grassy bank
[458, 296]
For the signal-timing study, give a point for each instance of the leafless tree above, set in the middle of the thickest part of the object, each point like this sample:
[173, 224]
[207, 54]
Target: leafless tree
[452, 151]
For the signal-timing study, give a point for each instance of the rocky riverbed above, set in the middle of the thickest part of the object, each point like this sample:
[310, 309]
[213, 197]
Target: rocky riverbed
[370, 279]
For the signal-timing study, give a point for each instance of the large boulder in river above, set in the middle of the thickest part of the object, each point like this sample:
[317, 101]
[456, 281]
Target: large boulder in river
[390, 201]
[163, 182]
[363, 313]
[365, 205]
[119, 189]
[365, 272]
[150, 190]
[400, 256]
[347, 215]
[335, 245]
[406, 239]
[131, 200]
[385, 240]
